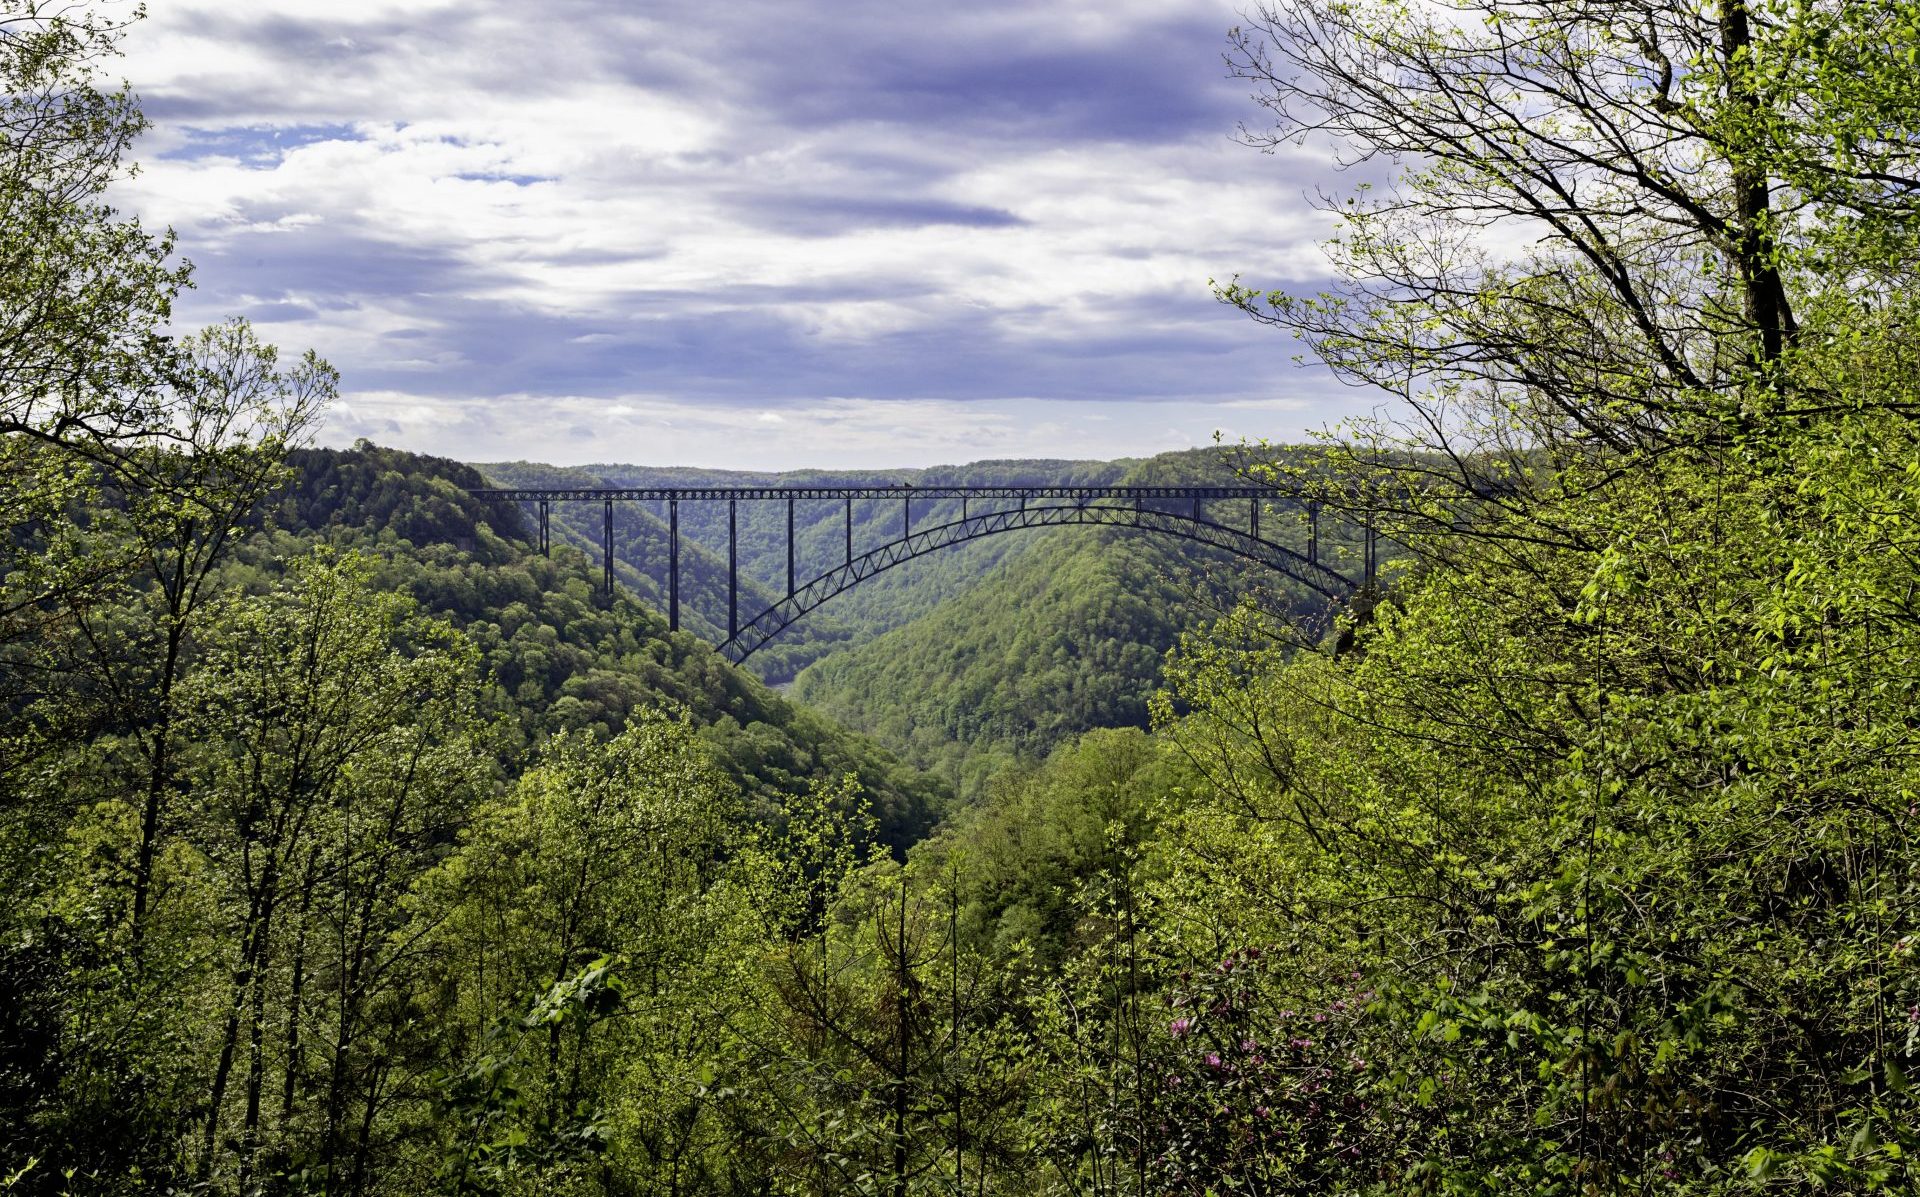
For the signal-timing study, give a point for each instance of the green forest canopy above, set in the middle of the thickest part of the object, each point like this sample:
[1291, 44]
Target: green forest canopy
[1581, 863]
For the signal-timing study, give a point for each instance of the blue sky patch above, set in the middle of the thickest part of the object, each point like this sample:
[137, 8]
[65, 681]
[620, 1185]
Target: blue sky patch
[259, 146]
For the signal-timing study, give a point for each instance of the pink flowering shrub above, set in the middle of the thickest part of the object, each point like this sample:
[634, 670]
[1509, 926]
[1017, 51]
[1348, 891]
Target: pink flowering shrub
[1258, 1097]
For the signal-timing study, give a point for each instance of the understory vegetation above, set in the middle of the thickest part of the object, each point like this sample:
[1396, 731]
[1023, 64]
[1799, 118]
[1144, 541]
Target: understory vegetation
[351, 846]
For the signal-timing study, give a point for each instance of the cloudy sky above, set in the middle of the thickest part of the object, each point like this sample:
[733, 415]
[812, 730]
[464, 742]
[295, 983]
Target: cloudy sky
[756, 233]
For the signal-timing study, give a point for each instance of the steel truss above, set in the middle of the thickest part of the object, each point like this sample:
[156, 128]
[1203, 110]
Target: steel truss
[1109, 506]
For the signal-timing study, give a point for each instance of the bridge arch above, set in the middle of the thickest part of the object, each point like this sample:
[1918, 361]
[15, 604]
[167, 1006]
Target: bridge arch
[775, 619]
[1141, 508]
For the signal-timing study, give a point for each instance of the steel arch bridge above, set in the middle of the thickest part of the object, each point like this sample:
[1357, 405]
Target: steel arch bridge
[1180, 511]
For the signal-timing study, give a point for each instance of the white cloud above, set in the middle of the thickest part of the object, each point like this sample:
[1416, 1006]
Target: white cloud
[497, 218]
[841, 433]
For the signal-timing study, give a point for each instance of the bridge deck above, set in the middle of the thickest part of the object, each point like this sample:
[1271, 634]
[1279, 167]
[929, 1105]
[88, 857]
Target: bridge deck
[530, 494]
[1081, 504]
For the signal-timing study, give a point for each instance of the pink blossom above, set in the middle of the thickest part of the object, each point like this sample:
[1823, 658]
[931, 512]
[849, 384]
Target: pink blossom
[1179, 1027]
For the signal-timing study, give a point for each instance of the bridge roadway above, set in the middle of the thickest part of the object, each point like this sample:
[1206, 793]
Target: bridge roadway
[748, 493]
[1139, 507]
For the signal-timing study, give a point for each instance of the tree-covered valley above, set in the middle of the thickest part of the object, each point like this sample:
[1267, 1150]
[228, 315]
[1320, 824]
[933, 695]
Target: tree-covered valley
[982, 656]
[352, 845]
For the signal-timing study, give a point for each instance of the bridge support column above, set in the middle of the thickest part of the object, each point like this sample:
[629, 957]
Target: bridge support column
[1122, 506]
[673, 565]
[606, 551]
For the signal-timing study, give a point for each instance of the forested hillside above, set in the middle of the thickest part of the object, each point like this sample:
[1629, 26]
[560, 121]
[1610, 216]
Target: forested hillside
[1066, 637]
[347, 846]
[558, 654]
[640, 565]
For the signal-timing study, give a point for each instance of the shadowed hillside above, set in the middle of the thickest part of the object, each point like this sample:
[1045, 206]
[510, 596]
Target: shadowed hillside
[557, 652]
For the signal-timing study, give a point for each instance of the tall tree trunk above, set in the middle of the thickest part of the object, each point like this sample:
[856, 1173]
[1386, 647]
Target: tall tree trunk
[159, 774]
[900, 1079]
[1768, 308]
[363, 1143]
[347, 1018]
[242, 982]
[256, 1032]
[297, 987]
